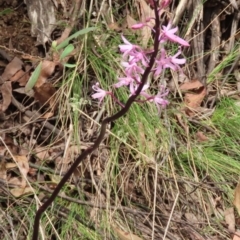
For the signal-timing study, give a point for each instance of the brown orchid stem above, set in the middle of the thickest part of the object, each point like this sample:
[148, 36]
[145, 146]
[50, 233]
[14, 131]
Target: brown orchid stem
[100, 138]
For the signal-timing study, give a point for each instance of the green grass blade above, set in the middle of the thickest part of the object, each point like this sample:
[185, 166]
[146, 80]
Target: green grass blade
[75, 35]
[67, 51]
[34, 77]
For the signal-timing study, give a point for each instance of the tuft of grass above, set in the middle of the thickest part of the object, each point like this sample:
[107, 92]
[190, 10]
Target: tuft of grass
[226, 62]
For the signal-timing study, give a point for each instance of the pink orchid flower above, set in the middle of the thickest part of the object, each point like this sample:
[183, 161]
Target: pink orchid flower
[131, 67]
[128, 48]
[138, 26]
[158, 99]
[133, 87]
[140, 57]
[123, 81]
[100, 93]
[133, 51]
[168, 34]
[164, 62]
[176, 60]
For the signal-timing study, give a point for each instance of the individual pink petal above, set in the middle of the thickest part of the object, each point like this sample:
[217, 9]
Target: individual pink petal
[169, 30]
[125, 81]
[100, 93]
[159, 99]
[131, 68]
[133, 87]
[177, 39]
[176, 60]
[125, 40]
[168, 34]
[138, 26]
[179, 60]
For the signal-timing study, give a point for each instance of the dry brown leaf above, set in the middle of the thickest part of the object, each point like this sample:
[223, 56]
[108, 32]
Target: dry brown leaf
[125, 235]
[2, 150]
[42, 153]
[236, 236]
[230, 219]
[145, 13]
[21, 77]
[23, 167]
[45, 94]
[150, 2]
[47, 115]
[18, 192]
[236, 201]
[192, 85]
[14, 66]
[114, 26]
[11, 165]
[6, 90]
[47, 70]
[191, 218]
[193, 101]
[32, 172]
[130, 21]
[45, 90]
[201, 137]
[15, 181]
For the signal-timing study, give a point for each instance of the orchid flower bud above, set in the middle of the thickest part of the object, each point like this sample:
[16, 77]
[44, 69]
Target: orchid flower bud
[138, 26]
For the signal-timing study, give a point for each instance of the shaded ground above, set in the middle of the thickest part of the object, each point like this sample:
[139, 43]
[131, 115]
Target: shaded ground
[15, 28]
[118, 190]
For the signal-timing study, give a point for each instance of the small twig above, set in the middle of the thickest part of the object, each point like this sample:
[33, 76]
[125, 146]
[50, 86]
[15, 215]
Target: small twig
[24, 55]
